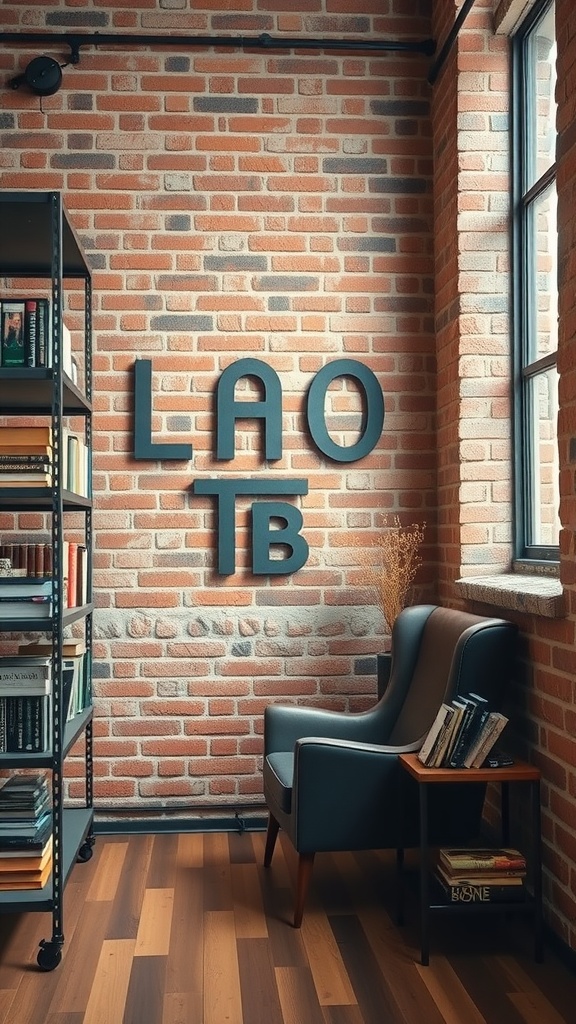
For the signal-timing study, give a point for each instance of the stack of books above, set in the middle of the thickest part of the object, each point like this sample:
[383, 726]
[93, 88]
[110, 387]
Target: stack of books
[25, 832]
[76, 692]
[481, 875]
[26, 456]
[462, 734]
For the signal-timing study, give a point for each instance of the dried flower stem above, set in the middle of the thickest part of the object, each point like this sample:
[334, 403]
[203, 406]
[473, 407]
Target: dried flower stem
[399, 561]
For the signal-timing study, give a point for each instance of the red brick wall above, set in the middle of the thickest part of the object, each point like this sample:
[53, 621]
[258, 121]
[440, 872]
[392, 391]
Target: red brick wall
[193, 215]
[271, 204]
[473, 384]
[472, 294]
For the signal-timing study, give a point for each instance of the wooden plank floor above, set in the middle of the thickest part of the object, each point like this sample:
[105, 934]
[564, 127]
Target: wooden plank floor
[190, 929]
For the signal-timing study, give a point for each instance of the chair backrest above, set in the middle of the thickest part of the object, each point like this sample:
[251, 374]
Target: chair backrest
[458, 653]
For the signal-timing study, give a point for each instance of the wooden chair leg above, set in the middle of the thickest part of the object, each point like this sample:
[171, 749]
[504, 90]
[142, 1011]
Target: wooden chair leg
[271, 835]
[305, 864]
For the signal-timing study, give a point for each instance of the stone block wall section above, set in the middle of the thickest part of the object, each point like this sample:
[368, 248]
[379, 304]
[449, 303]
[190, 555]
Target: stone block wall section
[237, 203]
[472, 289]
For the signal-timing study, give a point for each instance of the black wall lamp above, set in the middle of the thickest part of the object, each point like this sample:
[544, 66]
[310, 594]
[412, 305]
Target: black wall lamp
[43, 75]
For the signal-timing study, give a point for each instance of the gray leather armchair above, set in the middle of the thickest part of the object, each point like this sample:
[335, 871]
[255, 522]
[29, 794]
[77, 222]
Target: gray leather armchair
[331, 780]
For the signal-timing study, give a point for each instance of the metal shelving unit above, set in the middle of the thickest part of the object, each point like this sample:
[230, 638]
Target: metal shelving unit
[38, 241]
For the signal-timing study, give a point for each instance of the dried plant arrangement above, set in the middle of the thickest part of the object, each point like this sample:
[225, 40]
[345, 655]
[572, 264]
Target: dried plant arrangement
[396, 566]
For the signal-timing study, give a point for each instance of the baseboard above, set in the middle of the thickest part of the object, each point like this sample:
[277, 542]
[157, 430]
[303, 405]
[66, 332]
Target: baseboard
[129, 825]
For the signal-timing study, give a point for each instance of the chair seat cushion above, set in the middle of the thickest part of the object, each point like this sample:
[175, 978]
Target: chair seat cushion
[278, 777]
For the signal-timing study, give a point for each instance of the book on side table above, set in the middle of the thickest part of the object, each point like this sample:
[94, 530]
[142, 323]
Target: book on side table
[481, 875]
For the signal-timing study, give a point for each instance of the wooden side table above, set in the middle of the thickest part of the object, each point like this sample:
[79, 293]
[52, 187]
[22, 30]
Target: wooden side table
[518, 772]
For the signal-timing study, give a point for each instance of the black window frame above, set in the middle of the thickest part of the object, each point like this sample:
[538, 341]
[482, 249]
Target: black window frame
[523, 284]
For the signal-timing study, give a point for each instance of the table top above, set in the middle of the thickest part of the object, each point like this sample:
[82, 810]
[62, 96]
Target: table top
[520, 771]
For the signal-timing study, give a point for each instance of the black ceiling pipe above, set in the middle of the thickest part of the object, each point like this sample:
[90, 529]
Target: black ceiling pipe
[450, 40]
[74, 40]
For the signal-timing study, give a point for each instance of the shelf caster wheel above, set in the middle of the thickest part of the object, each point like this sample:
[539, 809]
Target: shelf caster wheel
[49, 955]
[84, 853]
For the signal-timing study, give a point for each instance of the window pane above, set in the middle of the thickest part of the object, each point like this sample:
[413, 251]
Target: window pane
[544, 273]
[544, 525]
[541, 71]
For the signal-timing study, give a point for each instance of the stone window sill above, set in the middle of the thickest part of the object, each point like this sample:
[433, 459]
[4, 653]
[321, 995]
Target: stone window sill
[517, 592]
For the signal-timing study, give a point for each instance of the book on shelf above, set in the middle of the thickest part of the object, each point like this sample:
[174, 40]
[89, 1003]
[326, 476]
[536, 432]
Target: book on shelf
[26, 608]
[451, 737]
[475, 714]
[427, 751]
[24, 810]
[74, 682]
[25, 790]
[490, 734]
[19, 785]
[75, 573]
[26, 334]
[70, 648]
[30, 845]
[75, 474]
[471, 890]
[12, 333]
[29, 478]
[482, 859]
[43, 338]
[23, 676]
[71, 572]
[82, 576]
[16, 688]
[19, 587]
[25, 452]
[32, 838]
[25, 724]
[25, 436]
[26, 880]
[18, 471]
[22, 461]
[30, 331]
[27, 561]
[27, 854]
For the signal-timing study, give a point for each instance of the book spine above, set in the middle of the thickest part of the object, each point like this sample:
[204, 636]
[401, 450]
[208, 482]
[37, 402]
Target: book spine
[470, 893]
[42, 333]
[72, 574]
[484, 864]
[31, 461]
[25, 675]
[489, 742]
[30, 325]
[27, 436]
[462, 743]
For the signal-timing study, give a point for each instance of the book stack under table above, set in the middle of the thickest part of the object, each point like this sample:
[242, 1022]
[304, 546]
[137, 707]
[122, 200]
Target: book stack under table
[25, 832]
[480, 875]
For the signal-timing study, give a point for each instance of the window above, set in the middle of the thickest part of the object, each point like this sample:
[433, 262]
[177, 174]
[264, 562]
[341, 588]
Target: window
[535, 285]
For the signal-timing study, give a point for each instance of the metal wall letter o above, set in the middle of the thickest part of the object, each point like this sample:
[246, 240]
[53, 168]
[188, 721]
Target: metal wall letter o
[373, 414]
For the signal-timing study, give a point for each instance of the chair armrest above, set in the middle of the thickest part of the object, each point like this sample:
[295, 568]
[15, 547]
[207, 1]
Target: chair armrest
[345, 795]
[351, 748]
